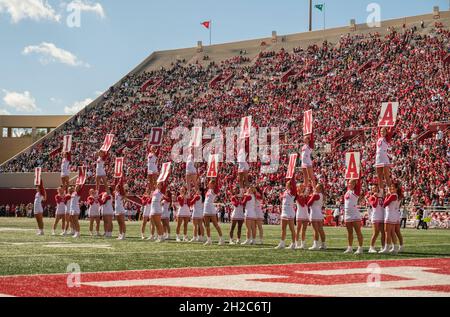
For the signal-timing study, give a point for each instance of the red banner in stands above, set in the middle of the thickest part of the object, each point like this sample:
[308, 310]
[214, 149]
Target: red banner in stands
[353, 165]
[107, 143]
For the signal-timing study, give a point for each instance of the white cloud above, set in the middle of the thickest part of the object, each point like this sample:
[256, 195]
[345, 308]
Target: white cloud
[86, 6]
[29, 9]
[50, 53]
[78, 106]
[3, 112]
[22, 102]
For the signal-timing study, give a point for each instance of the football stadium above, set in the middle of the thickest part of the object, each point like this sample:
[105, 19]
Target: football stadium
[310, 164]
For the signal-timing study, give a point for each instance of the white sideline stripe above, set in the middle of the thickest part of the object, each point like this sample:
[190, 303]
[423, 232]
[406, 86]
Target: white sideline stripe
[79, 246]
[32, 243]
[15, 229]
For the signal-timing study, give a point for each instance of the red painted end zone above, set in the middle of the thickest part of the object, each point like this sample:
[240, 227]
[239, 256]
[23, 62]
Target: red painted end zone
[417, 277]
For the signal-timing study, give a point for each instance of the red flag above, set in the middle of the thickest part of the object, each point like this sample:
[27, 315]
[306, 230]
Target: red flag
[206, 24]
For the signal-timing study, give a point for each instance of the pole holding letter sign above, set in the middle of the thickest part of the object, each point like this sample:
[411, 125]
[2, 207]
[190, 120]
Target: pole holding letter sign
[37, 176]
[292, 165]
[118, 167]
[165, 171]
[388, 115]
[353, 165]
[308, 123]
[67, 144]
[81, 179]
[246, 125]
[213, 166]
[156, 136]
[107, 143]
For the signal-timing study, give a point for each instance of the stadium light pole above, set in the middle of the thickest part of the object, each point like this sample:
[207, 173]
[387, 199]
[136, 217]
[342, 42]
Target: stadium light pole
[310, 15]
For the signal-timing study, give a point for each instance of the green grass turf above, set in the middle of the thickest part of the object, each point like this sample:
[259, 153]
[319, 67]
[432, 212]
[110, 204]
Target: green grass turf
[22, 252]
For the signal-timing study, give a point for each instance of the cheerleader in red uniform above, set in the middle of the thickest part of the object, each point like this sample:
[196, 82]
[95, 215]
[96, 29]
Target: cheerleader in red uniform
[243, 169]
[60, 211]
[165, 217]
[100, 170]
[376, 201]
[156, 210]
[107, 210]
[94, 212]
[65, 169]
[191, 173]
[75, 193]
[307, 163]
[315, 203]
[145, 201]
[237, 216]
[259, 215]
[287, 213]
[392, 220]
[183, 214]
[152, 168]
[352, 215]
[249, 203]
[210, 212]
[120, 196]
[382, 160]
[196, 203]
[67, 198]
[302, 216]
[39, 198]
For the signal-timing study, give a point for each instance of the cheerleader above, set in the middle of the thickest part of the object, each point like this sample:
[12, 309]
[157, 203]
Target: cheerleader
[197, 203]
[243, 169]
[39, 198]
[75, 193]
[382, 161]
[210, 212]
[67, 199]
[288, 214]
[94, 212]
[165, 218]
[237, 216]
[156, 210]
[191, 174]
[183, 214]
[60, 211]
[376, 201]
[152, 168]
[146, 201]
[307, 163]
[65, 170]
[249, 203]
[119, 196]
[392, 220]
[315, 203]
[352, 216]
[100, 172]
[302, 216]
[107, 211]
[259, 215]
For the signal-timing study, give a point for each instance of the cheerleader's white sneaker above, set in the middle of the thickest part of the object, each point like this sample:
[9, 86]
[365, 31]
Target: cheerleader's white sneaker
[401, 249]
[315, 246]
[281, 246]
[208, 242]
[384, 251]
[246, 242]
[359, 251]
[372, 250]
[349, 250]
[221, 241]
[291, 246]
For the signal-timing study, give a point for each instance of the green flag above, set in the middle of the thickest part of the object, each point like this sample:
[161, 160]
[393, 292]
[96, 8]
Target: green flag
[319, 6]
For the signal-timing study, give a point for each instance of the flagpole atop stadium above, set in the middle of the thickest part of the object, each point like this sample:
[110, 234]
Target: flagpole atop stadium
[210, 32]
[310, 15]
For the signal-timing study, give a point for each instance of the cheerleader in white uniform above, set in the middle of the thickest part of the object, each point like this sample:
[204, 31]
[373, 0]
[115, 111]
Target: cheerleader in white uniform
[191, 173]
[287, 213]
[302, 216]
[376, 202]
[107, 210]
[75, 210]
[165, 218]
[39, 198]
[197, 204]
[237, 216]
[120, 196]
[146, 205]
[65, 170]
[382, 161]
[67, 199]
[94, 212]
[249, 203]
[152, 168]
[307, 163]
[392, 220]
[259, 215]
[352, 216]
[156, 210]
[183, 214]
[100, 171]
[210, 212]
[315, 203]
[243, 168]
[60, 211]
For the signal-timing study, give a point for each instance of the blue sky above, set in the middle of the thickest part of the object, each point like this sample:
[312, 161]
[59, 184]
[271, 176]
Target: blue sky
[116, 35]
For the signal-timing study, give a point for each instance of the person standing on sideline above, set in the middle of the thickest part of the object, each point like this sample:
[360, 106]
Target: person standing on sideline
[337, 215]
[404, 214]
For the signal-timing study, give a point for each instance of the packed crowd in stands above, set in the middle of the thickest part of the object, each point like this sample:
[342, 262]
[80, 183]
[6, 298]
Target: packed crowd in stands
[406, 67]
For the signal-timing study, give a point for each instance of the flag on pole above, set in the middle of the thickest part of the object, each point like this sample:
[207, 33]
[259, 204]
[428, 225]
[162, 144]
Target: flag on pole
[319, 6]
[206, 24]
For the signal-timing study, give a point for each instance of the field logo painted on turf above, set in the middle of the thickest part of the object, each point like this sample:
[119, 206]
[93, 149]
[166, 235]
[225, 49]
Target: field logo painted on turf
[74, 277]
